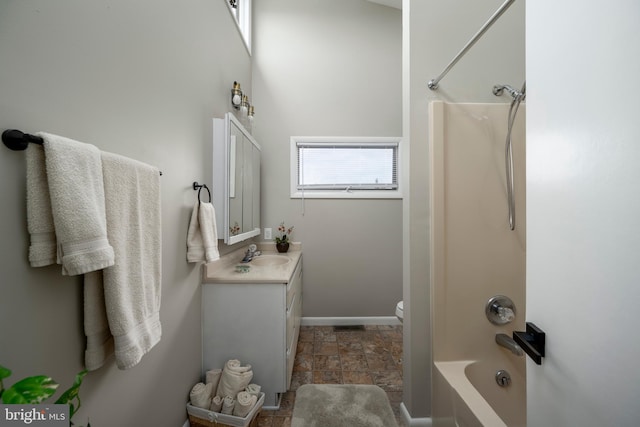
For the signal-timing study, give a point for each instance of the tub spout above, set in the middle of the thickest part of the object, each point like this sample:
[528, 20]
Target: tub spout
[507, 342]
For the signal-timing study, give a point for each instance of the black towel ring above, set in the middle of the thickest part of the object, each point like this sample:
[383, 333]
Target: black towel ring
[199, 187]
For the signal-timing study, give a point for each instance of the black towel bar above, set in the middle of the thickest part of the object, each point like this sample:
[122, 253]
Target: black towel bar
[18, 141]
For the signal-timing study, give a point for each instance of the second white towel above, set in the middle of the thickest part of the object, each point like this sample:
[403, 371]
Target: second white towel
[235, 378]
[132, 287]
[244, 402]
[202, 236]
[200, 395]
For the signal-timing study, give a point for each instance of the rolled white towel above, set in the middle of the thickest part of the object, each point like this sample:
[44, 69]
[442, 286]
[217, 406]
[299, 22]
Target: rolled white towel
[227, 405]
[200, 396]
[213, 377]
[244, 403]
[235, 366]
[234, 379]
[216, 404]
[253, 389]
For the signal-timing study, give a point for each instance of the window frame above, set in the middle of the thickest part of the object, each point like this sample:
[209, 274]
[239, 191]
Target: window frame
[355, 193]
[242, 18]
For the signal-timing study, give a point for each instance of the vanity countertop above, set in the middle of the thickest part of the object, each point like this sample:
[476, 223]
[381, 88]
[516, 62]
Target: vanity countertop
[224, 269]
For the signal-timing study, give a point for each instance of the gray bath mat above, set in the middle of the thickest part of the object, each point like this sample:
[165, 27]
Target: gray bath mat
[342, 405]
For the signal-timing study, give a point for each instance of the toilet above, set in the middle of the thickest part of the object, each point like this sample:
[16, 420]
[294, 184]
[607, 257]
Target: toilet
[400, 310]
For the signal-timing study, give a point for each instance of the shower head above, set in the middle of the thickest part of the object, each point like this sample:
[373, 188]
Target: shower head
[515, 93]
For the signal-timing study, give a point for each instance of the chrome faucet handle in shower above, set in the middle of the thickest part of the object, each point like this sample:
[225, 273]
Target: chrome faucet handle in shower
[500, 310]
[504, 340]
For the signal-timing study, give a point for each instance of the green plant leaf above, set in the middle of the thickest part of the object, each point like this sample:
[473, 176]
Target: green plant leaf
[73, 391]
[30, 390]
[4, 372]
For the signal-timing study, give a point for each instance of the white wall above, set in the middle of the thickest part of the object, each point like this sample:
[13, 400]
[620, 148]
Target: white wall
[434, 32]
[331, 68]
[141, 79]
[583, 210]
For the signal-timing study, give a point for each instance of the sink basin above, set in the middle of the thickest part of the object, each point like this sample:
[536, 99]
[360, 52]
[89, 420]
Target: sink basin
[264, 260]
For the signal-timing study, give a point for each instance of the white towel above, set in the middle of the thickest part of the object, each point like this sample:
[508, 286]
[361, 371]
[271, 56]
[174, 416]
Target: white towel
[227, 405]
[96, 324]
[213, 377]
[74, 174]
[132, 287]
[235, 378]
[244, 402]
[200, 395]
[216, 404]
[42, 250]
[202, 236]
[253, 389]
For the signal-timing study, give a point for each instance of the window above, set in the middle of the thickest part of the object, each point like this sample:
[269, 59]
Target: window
[241, 11]
[345, 167]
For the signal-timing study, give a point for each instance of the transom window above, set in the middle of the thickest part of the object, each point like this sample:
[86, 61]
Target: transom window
[345, 167]
[241, 11]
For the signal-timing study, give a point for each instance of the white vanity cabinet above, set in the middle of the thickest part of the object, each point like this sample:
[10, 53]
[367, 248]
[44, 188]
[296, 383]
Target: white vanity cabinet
[256, 323]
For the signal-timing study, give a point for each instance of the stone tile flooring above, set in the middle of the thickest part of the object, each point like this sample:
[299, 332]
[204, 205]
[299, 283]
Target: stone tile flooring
[328, 355]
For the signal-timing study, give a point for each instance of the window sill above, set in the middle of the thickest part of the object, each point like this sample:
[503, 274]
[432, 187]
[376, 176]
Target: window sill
[354, 194]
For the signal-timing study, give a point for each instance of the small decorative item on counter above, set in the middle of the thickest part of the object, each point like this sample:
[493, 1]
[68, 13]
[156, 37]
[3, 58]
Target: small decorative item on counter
[282, 241]
[243, 268]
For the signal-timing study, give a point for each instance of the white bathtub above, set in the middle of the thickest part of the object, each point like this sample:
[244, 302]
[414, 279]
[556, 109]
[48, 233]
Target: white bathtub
[472, 398]
[475, 256]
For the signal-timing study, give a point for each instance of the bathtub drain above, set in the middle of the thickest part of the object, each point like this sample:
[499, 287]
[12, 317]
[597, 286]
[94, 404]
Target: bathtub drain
[503, 378]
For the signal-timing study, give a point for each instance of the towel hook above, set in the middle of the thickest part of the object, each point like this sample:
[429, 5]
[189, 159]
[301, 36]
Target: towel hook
[199, 187]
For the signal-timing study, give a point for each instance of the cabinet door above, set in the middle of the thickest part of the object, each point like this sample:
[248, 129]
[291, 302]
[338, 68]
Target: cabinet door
[247, 187]
[246, 322]
[236, 180]
[256, 188]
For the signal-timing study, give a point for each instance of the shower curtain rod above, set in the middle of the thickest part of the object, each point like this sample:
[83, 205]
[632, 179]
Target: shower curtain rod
[433, 83]
[17, 140]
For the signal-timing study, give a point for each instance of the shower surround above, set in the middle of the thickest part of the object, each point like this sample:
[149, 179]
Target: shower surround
[474, 256]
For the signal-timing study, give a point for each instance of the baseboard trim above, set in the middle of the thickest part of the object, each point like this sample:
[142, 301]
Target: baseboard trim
[348, 321]
[414, 422]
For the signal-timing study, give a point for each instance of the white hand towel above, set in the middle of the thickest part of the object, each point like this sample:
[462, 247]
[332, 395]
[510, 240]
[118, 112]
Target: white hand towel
[96, 324]
[227, 405]
[207, 219]
[74, 173]
[234, 379]
[253, 389]
[200, 396]
[202, 236]
[244, 403]
[42, 250]
[213, 377]
[132, 287]
[216, 404]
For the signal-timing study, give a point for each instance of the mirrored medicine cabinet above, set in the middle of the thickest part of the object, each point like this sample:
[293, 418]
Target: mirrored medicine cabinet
[236, 180]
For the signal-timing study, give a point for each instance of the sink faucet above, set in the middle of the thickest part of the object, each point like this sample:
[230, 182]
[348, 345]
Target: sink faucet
[251, 252]
[507, 342]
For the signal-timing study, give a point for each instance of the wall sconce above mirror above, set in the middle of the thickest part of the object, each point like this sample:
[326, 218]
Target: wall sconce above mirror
[240, 101]
[236, 95]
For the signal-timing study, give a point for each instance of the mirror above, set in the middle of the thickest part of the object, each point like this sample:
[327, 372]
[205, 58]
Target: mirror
[236, 180]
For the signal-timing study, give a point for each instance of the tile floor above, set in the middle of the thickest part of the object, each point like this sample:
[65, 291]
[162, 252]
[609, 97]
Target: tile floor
[328, 355]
